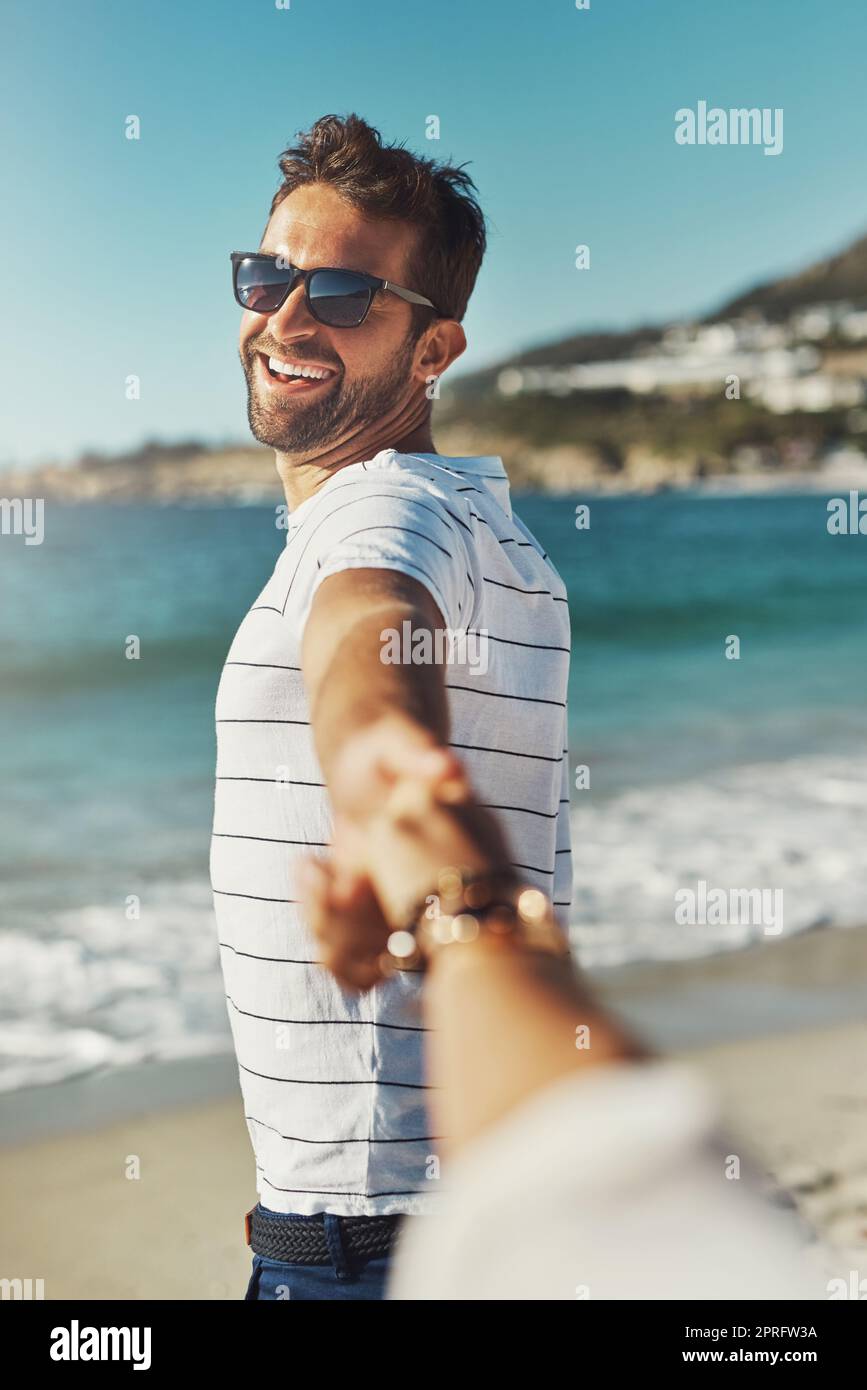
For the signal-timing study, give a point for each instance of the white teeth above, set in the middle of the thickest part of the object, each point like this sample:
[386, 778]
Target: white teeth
[289, 369]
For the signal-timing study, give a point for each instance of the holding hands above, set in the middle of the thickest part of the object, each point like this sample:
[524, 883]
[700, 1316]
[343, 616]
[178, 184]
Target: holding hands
[404, 809]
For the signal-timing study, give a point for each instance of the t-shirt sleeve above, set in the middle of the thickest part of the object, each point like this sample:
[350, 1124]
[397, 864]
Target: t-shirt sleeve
[389, 525]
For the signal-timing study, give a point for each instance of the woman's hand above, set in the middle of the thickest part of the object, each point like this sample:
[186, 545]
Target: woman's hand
[406, 811]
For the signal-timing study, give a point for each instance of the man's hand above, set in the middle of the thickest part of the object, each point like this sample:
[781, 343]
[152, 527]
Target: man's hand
[346, 920]
[408, 811]
[367, 768]
[386, 859]
[388, 777]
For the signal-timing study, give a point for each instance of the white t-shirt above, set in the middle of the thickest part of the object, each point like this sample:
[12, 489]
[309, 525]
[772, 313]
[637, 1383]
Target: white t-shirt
[605, 1186]
[333, 1083]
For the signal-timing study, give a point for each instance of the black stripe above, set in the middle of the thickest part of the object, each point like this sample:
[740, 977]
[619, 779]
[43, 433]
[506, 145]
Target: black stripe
[525, 810]
[460, 522]
[404, 530]
[516, 590]
[330, 1192]
[271, 840]
[503, 695]
[304, 723]
[294, 1138]
[267, 665]
[534, 646]
[223, 893]
[319, 1022]
[273, 781]
[278, 960]
[506, 752]
[534, 869]
[285, 960]
[372, 1081]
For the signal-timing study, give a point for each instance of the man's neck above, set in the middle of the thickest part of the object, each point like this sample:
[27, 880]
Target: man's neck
[303, 474]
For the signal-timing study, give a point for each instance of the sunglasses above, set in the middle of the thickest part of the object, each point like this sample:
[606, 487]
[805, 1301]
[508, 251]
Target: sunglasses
[337, 298]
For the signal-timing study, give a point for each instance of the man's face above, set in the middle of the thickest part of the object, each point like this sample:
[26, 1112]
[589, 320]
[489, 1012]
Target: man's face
[369, 368]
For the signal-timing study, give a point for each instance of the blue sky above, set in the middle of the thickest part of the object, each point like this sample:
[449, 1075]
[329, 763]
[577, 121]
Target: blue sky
[115, 252]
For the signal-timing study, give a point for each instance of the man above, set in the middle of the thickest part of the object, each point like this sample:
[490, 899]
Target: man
[409, 606]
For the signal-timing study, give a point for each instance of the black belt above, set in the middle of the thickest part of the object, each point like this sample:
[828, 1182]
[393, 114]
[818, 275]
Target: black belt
[302, 1241]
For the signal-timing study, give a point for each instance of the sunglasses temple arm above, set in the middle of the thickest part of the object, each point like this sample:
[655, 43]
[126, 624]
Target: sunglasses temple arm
[409, 295]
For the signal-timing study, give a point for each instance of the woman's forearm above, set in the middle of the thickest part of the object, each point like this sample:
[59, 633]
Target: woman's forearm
[505, 1022]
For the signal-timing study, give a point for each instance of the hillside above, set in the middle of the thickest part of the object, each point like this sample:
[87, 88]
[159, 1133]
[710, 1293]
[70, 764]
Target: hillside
[839, 277]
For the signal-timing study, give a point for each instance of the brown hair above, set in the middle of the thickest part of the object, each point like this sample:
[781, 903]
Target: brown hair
[388, 181]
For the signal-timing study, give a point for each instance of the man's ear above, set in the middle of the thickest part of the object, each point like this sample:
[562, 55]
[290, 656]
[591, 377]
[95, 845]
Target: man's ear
[438, 347]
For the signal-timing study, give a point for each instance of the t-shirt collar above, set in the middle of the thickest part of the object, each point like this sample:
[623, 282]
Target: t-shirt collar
[487, 469]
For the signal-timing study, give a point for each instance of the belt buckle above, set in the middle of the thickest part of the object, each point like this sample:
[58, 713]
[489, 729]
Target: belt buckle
[248, 1225]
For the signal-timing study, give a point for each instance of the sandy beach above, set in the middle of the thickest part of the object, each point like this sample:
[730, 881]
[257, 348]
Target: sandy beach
[795, 1098]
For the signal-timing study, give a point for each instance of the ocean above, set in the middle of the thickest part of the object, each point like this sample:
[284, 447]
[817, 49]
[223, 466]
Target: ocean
[747, 773]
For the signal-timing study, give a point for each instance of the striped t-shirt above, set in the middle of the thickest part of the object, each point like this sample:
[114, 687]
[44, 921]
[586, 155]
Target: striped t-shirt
[333, 1083]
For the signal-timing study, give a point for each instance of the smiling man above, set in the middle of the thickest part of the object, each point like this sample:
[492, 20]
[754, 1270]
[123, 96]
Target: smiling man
[352, 307]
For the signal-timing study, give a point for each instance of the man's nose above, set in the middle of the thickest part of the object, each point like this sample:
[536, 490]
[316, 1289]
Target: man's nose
[293, 319]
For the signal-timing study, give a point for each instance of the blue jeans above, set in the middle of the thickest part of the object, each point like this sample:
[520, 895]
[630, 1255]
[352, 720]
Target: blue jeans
[343, 1278]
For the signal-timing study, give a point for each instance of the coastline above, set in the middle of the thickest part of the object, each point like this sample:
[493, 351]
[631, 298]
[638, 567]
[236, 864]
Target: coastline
[244, 475]
[794, 1094]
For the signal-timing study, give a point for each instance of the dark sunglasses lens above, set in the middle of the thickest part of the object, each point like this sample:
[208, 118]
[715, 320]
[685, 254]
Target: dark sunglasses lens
[260, 285]
[339, 297]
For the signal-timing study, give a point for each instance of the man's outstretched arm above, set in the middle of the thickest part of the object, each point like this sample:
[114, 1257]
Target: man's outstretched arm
[349, 685]
[376, 722]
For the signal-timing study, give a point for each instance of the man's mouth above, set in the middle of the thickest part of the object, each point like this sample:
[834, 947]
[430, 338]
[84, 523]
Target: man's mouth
[295, 376]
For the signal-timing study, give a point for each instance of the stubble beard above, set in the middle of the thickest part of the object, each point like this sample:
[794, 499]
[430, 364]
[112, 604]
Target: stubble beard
[296, 426]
